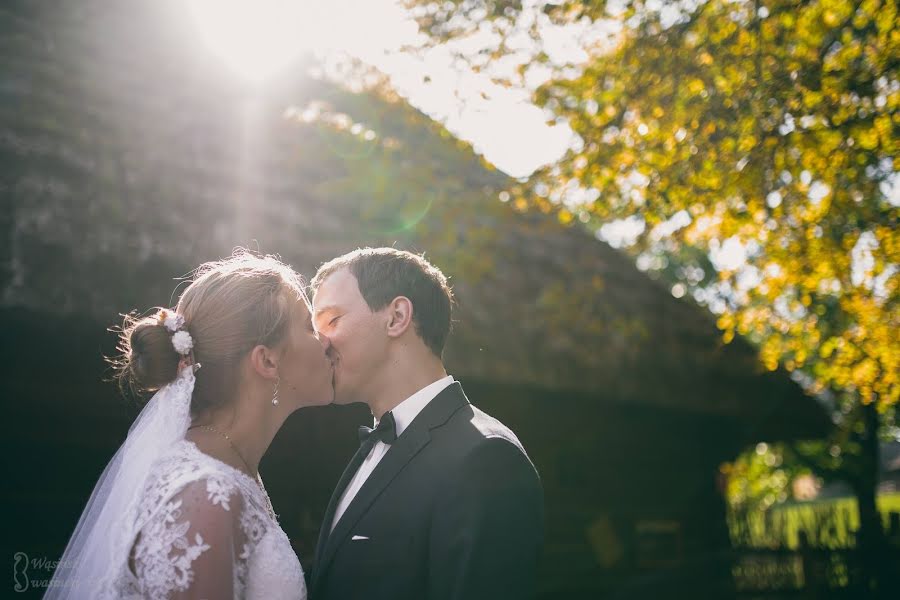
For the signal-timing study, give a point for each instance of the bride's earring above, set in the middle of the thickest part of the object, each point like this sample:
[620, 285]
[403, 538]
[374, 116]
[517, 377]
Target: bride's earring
[275, 393]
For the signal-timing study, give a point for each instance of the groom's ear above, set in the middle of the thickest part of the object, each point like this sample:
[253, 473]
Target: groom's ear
[399, 316]
[264, 361]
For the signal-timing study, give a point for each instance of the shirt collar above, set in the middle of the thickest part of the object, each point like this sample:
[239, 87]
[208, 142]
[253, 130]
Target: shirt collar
[409, 409]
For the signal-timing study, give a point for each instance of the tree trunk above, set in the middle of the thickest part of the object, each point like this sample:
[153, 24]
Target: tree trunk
[870, 539]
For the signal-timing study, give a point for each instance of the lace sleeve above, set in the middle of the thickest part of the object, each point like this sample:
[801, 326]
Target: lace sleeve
[190, 547]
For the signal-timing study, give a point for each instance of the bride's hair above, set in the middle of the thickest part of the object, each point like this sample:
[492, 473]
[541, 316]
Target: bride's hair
[231, 306]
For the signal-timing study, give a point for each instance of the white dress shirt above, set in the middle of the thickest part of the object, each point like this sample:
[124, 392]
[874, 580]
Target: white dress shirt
[404, 413]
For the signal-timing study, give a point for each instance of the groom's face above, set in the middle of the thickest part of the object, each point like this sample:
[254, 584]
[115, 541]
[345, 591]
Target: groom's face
[357, 334]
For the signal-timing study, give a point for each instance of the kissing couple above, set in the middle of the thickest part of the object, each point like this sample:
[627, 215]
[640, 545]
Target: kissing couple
[440, 501]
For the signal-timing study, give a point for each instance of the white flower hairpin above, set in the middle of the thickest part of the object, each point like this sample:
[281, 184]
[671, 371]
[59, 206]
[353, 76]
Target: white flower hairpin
[183, 342]
[181, 339]
[173, 321]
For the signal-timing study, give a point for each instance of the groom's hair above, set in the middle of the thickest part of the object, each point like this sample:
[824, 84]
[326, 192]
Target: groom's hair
[385, 273]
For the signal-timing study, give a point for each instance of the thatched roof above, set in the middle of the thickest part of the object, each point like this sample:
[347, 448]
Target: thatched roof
[129, 156]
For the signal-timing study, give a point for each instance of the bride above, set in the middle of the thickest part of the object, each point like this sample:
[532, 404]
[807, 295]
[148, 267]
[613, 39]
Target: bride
[181, 511]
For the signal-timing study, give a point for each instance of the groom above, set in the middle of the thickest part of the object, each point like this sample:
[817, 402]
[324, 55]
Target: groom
[441, 500]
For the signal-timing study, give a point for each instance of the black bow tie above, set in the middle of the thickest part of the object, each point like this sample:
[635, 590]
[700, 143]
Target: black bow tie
[386, 431]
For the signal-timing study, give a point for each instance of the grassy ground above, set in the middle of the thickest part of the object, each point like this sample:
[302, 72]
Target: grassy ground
[827, 523]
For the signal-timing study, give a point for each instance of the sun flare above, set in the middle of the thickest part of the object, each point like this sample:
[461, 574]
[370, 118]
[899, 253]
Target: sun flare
[257, 38]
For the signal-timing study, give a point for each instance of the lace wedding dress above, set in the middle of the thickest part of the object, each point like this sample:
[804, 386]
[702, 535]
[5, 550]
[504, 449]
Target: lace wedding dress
[163, 511]
[190, 503]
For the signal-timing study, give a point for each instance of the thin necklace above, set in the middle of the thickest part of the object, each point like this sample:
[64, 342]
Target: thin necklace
[259, 482]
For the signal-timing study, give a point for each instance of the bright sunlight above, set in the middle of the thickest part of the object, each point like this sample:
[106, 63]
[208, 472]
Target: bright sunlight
[260, 41]
[258, 38]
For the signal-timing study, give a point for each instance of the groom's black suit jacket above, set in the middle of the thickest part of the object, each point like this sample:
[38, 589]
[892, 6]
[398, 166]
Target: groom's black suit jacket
[453, 510]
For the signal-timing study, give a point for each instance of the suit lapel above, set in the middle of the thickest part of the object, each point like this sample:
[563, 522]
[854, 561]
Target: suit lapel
[402, 451]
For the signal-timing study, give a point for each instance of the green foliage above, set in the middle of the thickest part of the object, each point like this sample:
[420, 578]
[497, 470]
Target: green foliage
[826, 523]
[759, 479]
[780, 142]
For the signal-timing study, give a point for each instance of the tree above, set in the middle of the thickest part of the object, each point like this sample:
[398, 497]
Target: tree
[763, 134]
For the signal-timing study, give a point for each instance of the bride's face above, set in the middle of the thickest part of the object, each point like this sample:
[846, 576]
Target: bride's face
[306, 371]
